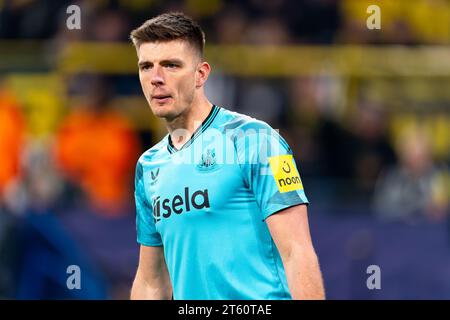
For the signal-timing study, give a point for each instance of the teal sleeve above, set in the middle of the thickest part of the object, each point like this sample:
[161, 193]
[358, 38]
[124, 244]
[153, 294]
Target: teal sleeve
[145, 226]
[258, 146]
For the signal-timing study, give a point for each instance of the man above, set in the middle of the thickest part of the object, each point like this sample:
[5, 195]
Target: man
[221, 211]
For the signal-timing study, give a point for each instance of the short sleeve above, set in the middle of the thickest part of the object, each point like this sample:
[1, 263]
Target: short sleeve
[145, 226]
[269, 168]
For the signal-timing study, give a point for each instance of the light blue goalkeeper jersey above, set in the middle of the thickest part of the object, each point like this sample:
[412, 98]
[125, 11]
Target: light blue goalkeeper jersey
[206, 204]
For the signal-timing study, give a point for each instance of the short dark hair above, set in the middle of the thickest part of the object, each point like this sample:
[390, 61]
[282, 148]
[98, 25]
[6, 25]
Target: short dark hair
[167, 27]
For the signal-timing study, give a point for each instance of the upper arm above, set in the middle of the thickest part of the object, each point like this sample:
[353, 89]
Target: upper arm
[152, 279]
[290, 230]
[151, 262]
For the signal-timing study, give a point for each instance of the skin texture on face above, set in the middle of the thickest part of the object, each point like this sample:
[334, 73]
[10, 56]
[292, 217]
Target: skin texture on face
[170, 74]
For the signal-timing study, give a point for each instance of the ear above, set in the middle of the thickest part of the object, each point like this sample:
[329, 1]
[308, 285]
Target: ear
[203, 70]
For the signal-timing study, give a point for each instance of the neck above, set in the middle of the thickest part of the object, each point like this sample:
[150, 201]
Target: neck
[182, 127]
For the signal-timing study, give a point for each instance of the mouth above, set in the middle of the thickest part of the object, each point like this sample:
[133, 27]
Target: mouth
[161, 98]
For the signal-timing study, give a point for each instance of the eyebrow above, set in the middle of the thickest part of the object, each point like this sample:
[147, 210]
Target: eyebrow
[143, 63]
[162, 62]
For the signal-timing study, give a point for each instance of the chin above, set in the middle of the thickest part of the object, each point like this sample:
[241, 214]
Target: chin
[165, 112]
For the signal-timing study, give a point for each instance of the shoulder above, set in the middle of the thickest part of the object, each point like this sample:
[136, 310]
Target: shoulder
[243, 125]
[239, 126]
[151, 155]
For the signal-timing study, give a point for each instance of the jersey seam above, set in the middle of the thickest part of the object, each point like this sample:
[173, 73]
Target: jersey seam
[241, 170]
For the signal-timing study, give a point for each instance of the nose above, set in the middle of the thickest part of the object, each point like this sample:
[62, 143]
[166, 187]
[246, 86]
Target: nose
[157, 77]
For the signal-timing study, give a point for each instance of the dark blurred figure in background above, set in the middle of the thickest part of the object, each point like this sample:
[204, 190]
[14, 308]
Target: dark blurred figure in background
[346, 156]
[315, 104]
[366, 151]
[416, 187]
[343, 160]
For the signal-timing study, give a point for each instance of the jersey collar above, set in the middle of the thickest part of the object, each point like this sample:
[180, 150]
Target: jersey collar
[205, 124]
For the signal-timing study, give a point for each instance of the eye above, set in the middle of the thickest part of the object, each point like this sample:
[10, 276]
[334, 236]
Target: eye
[145, 67]
[171, 65]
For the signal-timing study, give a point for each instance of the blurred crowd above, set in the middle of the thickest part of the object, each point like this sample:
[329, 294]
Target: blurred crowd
[80, 165]
[233, 21]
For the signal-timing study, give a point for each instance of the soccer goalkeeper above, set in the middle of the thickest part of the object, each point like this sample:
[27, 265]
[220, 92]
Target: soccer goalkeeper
[221, 210]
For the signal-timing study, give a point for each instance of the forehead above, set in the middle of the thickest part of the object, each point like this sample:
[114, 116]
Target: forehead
[164, 50]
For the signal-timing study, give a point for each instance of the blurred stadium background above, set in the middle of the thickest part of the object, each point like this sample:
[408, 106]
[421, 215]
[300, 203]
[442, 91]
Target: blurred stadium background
[367, 113]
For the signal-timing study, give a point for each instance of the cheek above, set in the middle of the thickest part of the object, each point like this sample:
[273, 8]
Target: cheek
[144, 84]
[143, 79]
[187, 91]
[189, 85]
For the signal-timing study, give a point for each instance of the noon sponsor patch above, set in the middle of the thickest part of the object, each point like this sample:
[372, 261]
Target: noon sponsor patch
[285, 173]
